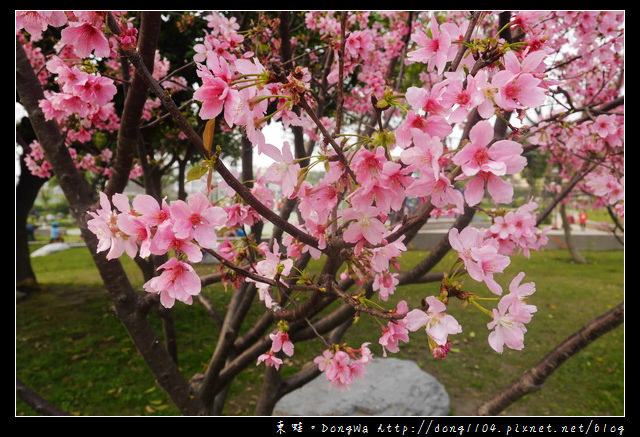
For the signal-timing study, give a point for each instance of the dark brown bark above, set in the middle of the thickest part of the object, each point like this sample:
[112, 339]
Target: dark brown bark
[26, 192]
[240, 304]
[532, 379]
[271, 383]
[37, 402]
[128, 134]
[169, 332]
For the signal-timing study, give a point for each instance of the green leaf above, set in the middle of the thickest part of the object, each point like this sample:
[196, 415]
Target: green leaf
[196, 173]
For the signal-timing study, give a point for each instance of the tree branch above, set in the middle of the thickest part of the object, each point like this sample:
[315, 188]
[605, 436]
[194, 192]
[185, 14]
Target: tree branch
[577, 177]
[134, 104]
[37, 402]
[532, 379]
[327, 136]
[243, 191]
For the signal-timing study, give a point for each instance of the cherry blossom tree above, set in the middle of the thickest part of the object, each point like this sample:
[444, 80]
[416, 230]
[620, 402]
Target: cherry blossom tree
[437, 106]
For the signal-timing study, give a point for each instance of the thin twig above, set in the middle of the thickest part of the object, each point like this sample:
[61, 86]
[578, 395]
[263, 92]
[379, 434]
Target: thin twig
[339, 97]
[304, 105]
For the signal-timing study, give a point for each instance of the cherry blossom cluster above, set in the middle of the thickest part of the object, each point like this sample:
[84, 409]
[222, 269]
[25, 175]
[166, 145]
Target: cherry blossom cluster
[408, 154]
[239, 88]
[36, 162]
[279, 342]
[341, 364]
[82, 101]
[145, 227]
[99, 164]
[516, 231]
[606, 187]
[83, 92]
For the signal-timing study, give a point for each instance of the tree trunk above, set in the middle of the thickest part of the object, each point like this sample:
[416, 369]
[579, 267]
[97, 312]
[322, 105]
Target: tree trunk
[26, 193]
[566, 227]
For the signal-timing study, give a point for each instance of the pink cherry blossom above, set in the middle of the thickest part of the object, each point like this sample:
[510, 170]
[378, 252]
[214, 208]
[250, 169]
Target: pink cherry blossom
[517, 91]
[517, 230]
[216, 93]
[197, 218]
[532, 62]
[104, 224]
[375, 193]
[474, 157]
[605, 125]
[465, 241]
[385, 254]
[500, 190]
[85, 39]
[426, 152]
[165, 240]
[269, 359]
[605, 186]
[431, 101]
[516, 299]
[395, 331]
[284, 170]
[36, 22]
[438, 324]
[438, 187]
[60, 105]
[395, 178]
[508, 329]
[70, 77]
[341, 367]
[486, 262]
[485, 93]
[368, 164]
[280, 341]
[98, 90]
[434, 125]
[339, 370]
[460, 98]
[138, 228]
[487, 164]
[270, 267]
[435, 51]
[151, 212]
[317, 202]
[178, 281]
[365, 225]
[385, 284]
[359, 44]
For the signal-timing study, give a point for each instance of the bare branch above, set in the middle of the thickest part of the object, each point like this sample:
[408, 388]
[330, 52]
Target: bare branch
[532, 379]
[37, 402]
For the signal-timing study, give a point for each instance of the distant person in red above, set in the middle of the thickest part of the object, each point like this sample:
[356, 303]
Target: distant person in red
[582, 218]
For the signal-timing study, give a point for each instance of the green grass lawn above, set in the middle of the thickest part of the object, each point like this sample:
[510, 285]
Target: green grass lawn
[72, 349]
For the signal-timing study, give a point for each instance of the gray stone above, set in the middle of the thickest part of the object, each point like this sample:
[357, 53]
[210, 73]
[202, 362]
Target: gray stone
[390, 387]
[49, 249]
